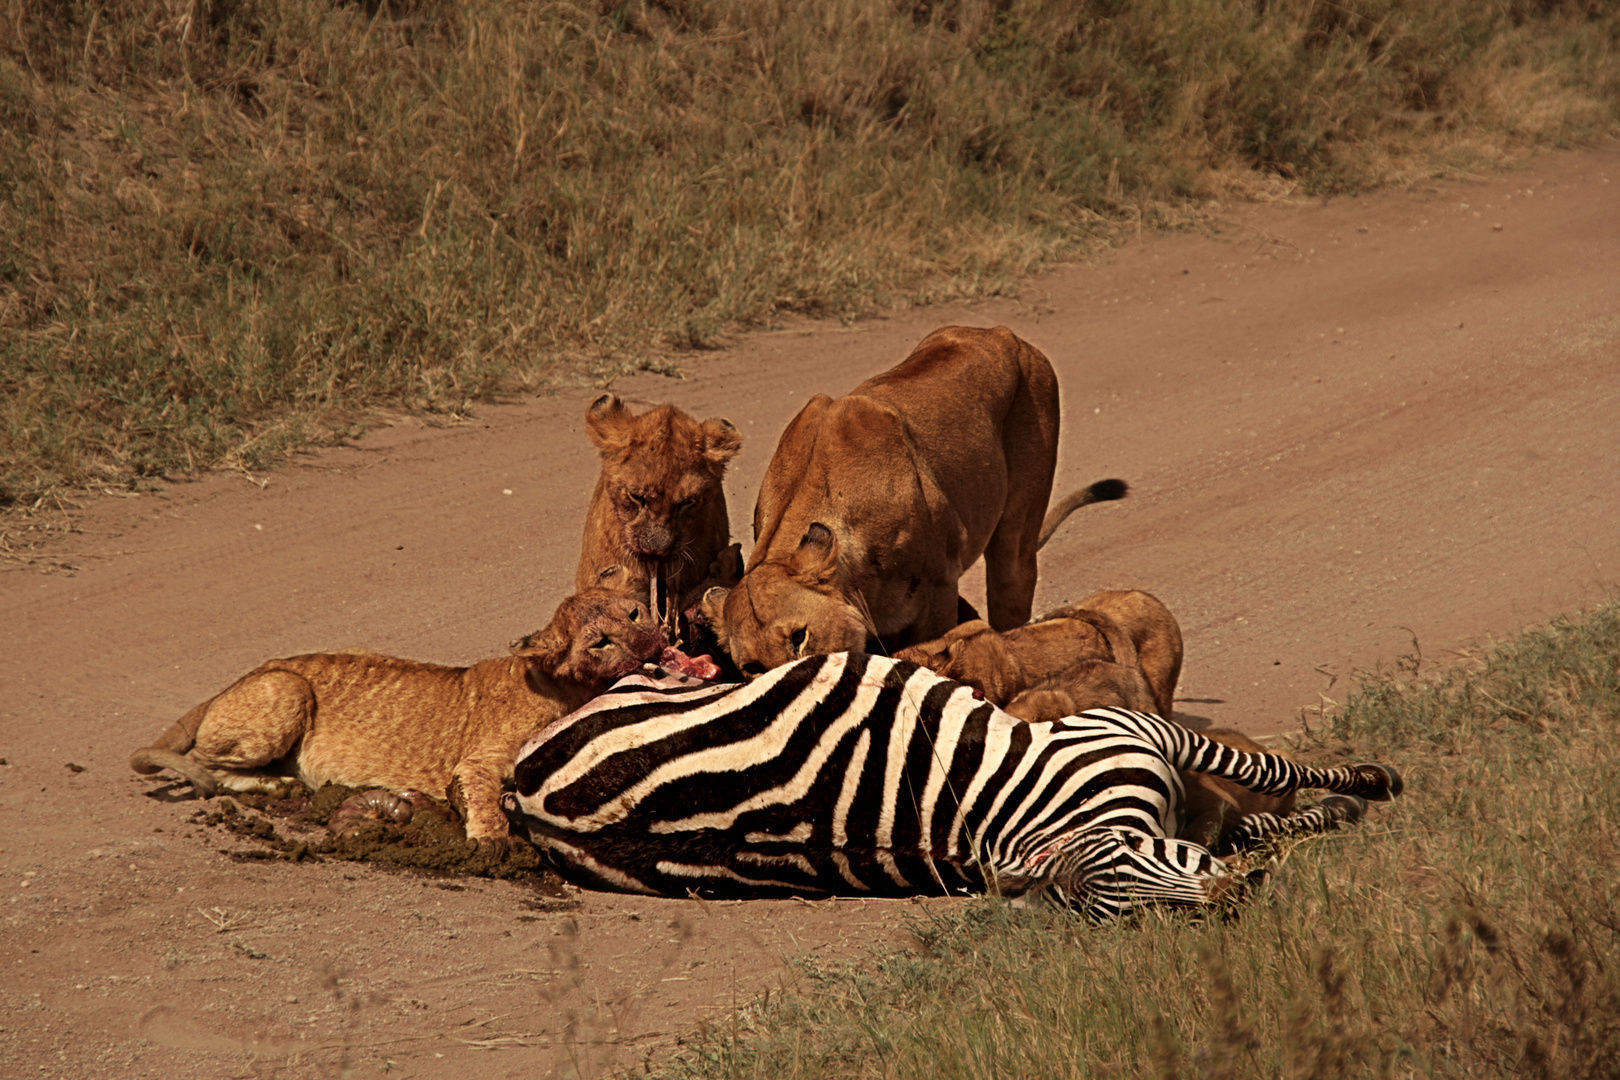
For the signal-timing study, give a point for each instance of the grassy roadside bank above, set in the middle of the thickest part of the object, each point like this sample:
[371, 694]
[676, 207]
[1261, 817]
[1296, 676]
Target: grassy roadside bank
[1470, 929]
[227, 227]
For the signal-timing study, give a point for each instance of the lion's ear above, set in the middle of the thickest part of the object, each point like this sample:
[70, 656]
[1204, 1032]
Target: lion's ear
[548, 648]
[721, 441]
[713, 606]
[728, 565]
[607, 422]
[817, 555]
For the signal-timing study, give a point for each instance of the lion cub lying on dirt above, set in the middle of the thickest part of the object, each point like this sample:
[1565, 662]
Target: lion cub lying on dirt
[1125, 646]
[366, 720]
[657, 524]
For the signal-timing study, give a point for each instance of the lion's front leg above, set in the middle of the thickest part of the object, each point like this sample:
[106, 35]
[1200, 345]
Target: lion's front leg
[475, 792]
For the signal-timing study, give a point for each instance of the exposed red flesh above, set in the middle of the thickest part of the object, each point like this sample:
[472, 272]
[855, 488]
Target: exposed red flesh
[697, 667]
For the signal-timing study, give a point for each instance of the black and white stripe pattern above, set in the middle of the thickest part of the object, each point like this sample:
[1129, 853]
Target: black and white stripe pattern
[854, 774]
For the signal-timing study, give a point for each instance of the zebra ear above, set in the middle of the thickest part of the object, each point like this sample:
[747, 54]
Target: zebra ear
[817, 556]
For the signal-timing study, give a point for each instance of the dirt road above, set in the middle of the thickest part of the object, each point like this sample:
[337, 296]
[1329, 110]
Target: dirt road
[1347, 425]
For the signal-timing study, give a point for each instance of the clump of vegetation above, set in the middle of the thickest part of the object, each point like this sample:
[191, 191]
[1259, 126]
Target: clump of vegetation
[228, 227]
[1469, 929]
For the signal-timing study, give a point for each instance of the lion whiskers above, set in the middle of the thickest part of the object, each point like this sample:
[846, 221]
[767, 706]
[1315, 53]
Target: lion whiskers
[865, 611]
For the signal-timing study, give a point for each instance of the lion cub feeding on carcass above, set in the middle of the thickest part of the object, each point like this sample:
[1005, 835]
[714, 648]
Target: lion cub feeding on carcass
[875, 503]
[1120, 649]
[657, 524]
[1122, 644]
[366, 720]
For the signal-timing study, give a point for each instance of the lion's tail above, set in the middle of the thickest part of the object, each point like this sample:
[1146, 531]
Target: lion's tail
[169, 753]
[1101, 491]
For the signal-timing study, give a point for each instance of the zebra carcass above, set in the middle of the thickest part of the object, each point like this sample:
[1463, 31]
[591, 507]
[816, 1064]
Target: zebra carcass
[850, 774]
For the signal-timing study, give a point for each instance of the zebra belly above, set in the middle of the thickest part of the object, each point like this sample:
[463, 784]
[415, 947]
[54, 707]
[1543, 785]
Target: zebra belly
[725, 864]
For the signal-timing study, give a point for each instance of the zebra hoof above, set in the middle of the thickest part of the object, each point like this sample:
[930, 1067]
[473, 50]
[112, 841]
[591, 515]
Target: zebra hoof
[1345, 809]
[1380, 782]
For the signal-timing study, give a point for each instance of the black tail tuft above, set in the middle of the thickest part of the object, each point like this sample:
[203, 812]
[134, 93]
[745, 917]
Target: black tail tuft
[1101, 491]
[1108, 490]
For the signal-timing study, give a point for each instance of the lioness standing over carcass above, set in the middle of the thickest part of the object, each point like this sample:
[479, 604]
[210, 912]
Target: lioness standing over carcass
[367, 720]
[657, 522]
[875, 503]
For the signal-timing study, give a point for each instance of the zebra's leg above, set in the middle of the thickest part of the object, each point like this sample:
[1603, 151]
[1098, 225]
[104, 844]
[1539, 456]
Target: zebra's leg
[1106, 873]
[1267, 774]
[1329, 814]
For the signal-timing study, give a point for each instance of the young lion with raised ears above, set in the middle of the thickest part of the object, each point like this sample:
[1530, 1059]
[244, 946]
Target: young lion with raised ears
[875, 504]
[366, 720]
[1124, 645]
[1116, 648]
[657, 524]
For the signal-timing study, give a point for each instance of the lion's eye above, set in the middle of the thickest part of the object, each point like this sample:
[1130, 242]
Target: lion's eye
[638, 501]
[685, 504]
[603, 642]
[800, 638]
[635, 613]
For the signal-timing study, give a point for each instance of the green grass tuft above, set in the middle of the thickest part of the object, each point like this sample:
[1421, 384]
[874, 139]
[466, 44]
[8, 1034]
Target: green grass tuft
[227, 227]
[1469, 929]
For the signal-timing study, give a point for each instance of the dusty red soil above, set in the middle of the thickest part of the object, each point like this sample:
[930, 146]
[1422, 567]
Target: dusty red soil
[1347, 425]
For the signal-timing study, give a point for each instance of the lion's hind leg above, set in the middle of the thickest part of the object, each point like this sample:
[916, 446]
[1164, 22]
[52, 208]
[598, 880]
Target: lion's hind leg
[228, 741]
[1009, 570]
[272, 782]
[255, 722]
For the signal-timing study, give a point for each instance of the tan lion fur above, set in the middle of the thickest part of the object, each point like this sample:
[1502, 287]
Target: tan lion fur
[1085, 685]
[657, 521]
[875, 503]
[367, 720]
[1119, 648]
[1154, 632]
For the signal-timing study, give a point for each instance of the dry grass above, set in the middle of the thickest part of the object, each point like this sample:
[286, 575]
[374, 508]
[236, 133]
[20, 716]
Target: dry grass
[230, 227]
[1470, 929]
